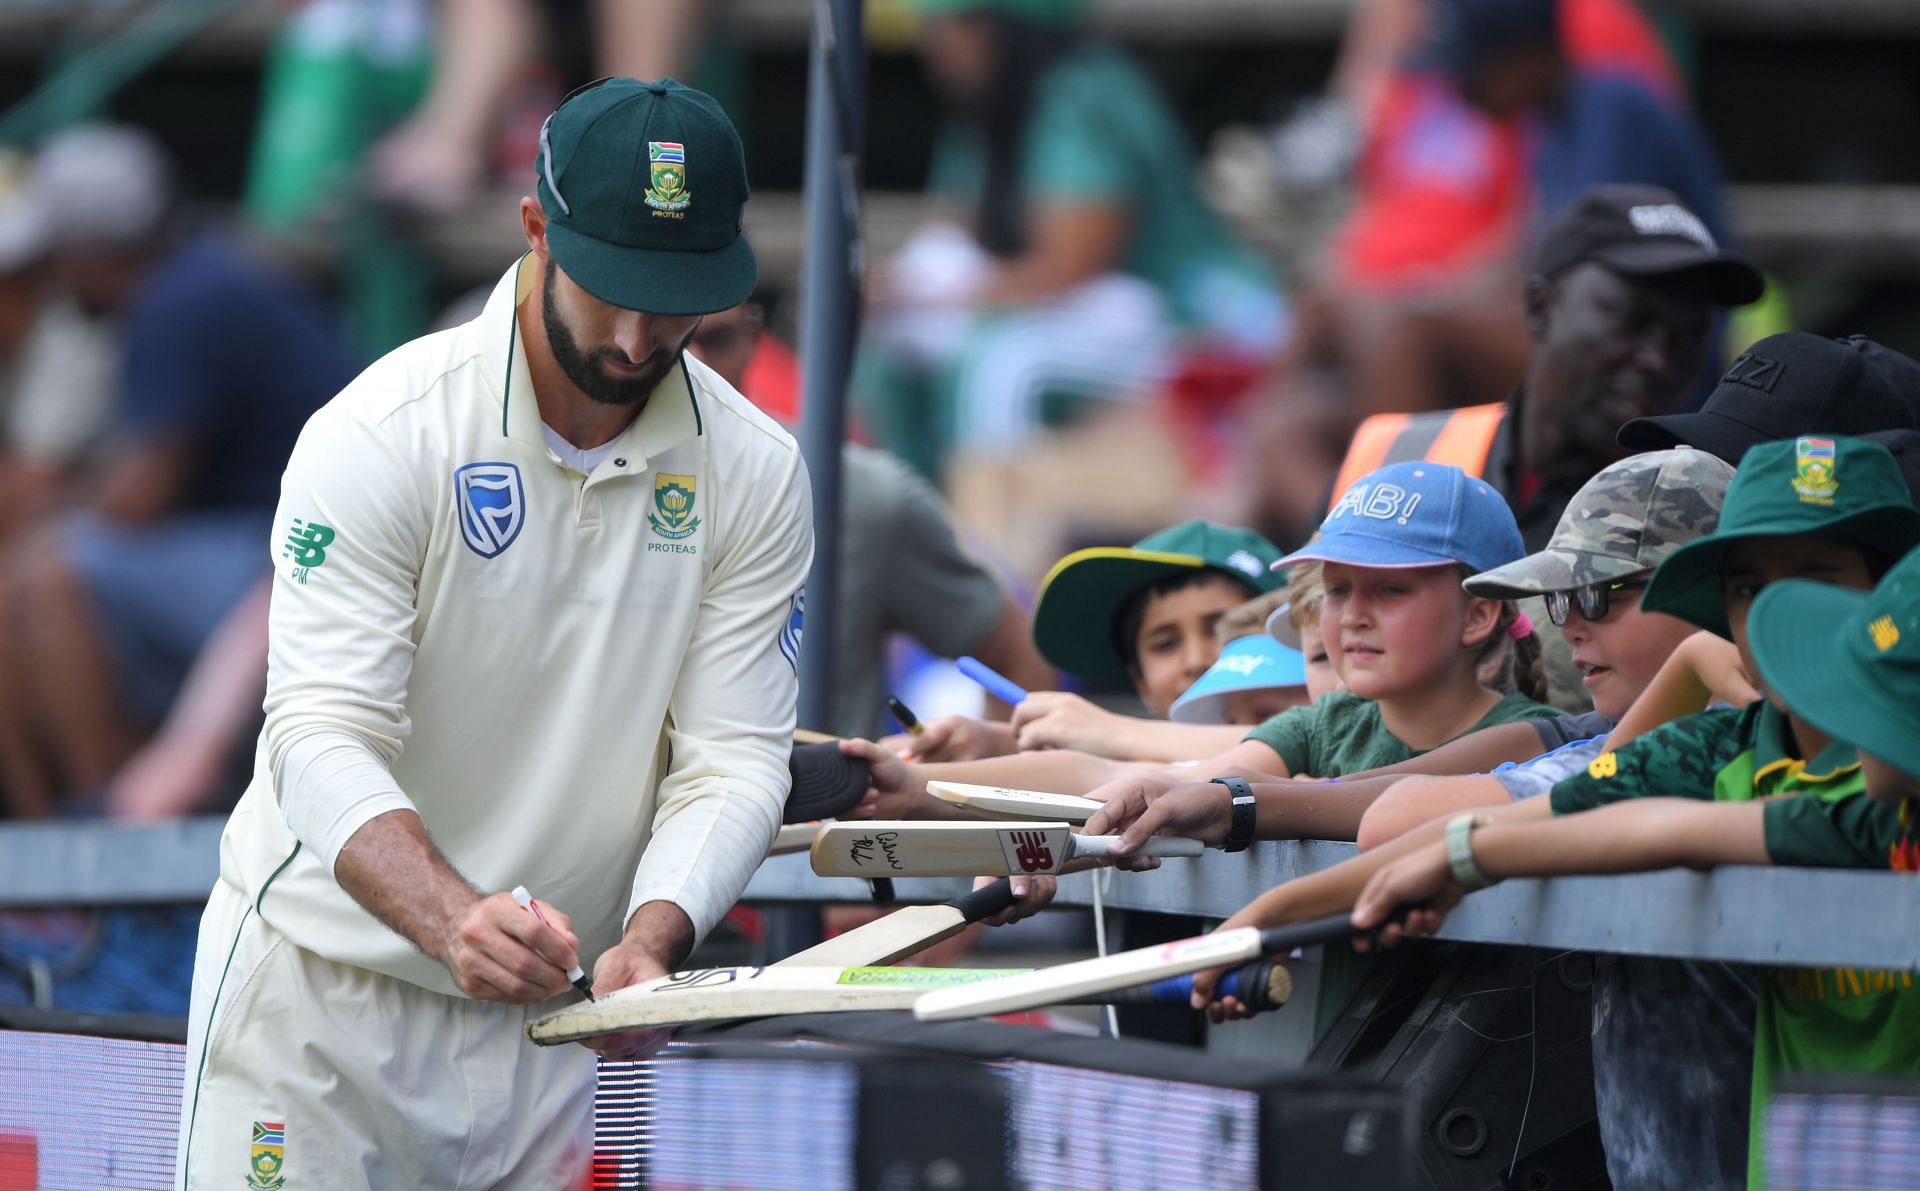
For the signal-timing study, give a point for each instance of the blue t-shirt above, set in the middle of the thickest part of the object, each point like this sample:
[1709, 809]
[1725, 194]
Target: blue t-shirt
[228, 355]
[1612, 129]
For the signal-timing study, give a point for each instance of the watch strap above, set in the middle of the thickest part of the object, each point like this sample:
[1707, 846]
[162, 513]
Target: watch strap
[1460, 859]
[1245, 808]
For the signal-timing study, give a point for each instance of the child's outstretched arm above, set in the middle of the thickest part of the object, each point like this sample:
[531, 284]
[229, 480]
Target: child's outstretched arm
[1333, 891]
[1704, 668]
[1624, 837]
[1062, 720]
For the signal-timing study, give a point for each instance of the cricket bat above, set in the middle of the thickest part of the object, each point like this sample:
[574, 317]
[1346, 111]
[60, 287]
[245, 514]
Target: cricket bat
[999, 802]
[904, 932]
[1092, 978]
[728, 994]
[796, 837]
[902, 848]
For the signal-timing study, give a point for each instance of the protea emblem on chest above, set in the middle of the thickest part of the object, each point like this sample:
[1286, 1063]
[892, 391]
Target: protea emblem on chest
[672, 515]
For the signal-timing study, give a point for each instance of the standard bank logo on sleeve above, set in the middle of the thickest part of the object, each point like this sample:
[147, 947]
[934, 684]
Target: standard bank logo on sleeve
[491, 503]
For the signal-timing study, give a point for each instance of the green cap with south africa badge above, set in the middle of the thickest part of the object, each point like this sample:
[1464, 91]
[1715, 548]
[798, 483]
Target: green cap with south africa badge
[1843, 487]
[645, 188]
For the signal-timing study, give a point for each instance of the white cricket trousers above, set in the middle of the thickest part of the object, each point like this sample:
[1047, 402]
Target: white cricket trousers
[372, 1082]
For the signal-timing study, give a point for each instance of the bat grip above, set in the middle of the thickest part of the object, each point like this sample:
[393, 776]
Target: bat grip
[1278, 940]
[985, 901]
[994, 683]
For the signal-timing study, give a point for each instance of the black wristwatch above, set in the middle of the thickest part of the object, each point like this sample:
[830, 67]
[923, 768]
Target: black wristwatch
[1240, 829]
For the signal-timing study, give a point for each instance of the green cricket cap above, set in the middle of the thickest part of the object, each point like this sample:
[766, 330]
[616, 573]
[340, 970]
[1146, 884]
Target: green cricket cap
[645, 190]
[1038, 12]
[1847, 661]
[1840, 487]
[1076, 618]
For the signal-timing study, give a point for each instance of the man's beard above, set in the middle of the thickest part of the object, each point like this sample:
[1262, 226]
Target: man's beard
[584, 368]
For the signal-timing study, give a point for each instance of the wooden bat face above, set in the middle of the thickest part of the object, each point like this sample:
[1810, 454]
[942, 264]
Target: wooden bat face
[723, 994]
[1000, 802]
[888, 849]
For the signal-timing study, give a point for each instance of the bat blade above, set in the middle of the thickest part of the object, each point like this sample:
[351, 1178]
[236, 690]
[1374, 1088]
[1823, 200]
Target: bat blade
[882, 848]
[727, 994]
[1001, 802]
[1091, 978]
[906, 931]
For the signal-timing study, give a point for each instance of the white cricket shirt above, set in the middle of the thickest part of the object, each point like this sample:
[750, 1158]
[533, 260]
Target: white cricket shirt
[584, 684]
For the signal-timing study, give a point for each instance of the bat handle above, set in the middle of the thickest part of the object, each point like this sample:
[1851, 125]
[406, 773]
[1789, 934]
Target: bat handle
[883, 894]
[1261, 985]
[994, 683]
[985, 901]
[1279, 940]
[1159, 845]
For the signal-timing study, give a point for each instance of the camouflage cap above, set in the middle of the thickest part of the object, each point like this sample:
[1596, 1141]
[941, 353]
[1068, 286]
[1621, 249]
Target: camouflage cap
[1624, 520]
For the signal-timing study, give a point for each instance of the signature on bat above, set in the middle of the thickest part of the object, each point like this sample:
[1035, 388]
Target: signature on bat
[880, 846]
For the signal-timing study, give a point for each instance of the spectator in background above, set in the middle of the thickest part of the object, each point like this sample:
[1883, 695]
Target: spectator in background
[56, 363]
[1583, 127]
[1070, 250]
[222, 360]
[901, 566]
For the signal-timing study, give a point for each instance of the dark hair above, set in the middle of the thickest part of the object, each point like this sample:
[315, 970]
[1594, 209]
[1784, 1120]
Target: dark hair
[1022, 52]
[1126, 623]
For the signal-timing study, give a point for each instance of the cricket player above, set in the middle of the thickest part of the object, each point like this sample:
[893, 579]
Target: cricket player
[535, 618]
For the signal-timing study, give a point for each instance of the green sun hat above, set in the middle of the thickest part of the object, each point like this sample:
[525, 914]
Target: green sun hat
[645, 187]
[1847, 661]
[1038, 12]
[1843, 487]
[1076, 618]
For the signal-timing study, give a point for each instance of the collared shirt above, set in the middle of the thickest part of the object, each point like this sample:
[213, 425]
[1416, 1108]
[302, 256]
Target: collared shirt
[584, 683]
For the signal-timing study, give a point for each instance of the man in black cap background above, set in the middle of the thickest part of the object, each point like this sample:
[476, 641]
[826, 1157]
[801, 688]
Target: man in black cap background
[1620, 307]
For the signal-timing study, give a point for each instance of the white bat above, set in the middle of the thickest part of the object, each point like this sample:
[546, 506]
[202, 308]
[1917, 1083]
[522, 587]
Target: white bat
[999, 802]
[904, 932]
[796, 837]
[726, 994]
[1091, 978]
[887, 848]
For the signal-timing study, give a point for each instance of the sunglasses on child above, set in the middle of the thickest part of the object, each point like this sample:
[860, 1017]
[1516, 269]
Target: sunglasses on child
[1594, 600]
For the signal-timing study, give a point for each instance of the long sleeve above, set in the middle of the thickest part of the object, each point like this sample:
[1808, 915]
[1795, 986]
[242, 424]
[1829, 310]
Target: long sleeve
[731, 715]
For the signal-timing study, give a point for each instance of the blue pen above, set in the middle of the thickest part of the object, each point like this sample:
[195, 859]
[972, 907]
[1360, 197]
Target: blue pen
[996, 685]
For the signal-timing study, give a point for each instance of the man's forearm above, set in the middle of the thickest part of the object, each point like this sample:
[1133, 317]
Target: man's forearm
[392, 868]
[662, 930]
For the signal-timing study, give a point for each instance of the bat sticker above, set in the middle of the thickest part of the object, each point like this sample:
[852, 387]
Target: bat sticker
[1029, 851]
[700, 977]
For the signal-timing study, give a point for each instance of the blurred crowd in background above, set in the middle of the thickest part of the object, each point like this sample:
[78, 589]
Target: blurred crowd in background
[1091, 323]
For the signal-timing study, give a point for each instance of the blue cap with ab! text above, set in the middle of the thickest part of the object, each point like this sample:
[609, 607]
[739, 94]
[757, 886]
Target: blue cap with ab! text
[1417, 514]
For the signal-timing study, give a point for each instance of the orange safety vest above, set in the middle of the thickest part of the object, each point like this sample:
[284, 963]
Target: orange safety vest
[1463, 437]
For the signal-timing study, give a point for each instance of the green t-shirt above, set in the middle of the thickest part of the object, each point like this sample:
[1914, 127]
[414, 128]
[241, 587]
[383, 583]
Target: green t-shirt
[1343, 733]
[1098, 132]
[1340, 734]
[1818, 814]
